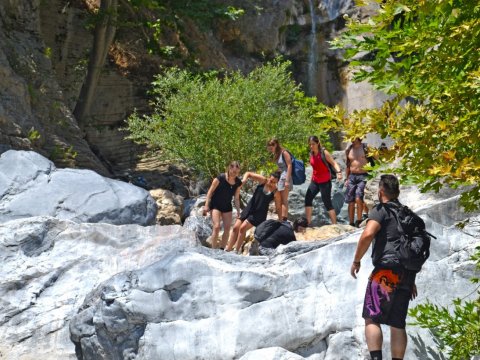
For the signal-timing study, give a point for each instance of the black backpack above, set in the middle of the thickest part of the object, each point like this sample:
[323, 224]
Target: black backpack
[333, 172]
[413, 247]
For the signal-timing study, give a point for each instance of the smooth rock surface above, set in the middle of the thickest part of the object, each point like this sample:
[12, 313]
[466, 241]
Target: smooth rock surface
[272, 353]
[50, 265]
[31, 185]
[205, 304]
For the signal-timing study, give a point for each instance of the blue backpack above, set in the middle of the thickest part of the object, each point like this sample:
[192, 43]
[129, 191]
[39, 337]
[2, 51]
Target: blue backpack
[298, 170]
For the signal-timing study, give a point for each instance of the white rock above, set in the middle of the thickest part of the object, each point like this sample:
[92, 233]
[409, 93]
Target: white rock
[272, 353]
[50, 265]
[206, 304]
[134, 292]
[31, 185]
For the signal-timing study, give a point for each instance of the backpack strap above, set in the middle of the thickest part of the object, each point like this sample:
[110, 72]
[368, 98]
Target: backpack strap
[380, 246]
[324, 157]
[331, 169]
[370, 159]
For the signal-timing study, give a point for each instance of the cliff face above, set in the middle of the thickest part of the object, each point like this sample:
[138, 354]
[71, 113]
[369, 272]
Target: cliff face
[44, 49]
[33, 110]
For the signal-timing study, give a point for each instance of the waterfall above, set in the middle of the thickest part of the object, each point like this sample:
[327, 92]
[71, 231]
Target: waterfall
[312, 55]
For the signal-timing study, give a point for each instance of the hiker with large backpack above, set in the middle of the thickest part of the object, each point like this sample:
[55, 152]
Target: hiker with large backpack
[400, 248]
[357, 157]
[325, 169]
[283, 159]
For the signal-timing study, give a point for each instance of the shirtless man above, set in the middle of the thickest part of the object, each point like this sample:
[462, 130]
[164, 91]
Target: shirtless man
[356, 178]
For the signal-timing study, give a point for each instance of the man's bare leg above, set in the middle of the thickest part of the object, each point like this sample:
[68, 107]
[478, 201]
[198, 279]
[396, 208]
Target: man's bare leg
[351, 213]
[398, 342]
[373, 335]
[359, 204]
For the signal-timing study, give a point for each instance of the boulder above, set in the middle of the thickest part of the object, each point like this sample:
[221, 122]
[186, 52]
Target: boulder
[31, 185]
[169, 207]
[324, 232]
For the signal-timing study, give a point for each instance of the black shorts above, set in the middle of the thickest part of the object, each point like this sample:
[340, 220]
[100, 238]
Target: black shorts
[253, 219]
[223, 208]
[387, 297]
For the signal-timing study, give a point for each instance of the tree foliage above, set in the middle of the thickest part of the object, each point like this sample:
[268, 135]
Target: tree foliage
[208, 120]
[458, 329]
[425, 56]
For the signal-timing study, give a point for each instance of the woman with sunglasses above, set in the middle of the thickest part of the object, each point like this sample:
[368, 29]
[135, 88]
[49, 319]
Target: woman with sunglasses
[284, 163]
[219, 201]
[257, 208]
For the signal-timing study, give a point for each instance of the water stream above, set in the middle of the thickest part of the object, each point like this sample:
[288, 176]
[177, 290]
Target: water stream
[312, 55]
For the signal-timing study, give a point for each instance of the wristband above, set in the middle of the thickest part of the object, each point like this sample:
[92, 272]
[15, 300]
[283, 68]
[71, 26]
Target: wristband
[357, 263]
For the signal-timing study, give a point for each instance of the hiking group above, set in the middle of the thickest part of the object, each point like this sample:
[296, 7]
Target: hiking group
[400, 242]
[277, 186]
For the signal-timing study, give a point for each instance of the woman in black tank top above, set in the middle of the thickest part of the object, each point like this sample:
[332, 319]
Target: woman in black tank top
[257, 208]
[219, 201]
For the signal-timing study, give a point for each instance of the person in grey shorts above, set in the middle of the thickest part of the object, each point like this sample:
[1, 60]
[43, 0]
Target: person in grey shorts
[356, 178]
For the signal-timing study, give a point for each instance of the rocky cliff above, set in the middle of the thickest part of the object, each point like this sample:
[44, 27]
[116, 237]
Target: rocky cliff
[44, 49]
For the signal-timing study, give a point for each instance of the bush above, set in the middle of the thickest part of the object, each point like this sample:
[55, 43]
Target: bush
[457, 330]
[208, 120]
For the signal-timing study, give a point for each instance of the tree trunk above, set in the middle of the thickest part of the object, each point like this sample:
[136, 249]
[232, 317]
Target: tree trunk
[104, 34]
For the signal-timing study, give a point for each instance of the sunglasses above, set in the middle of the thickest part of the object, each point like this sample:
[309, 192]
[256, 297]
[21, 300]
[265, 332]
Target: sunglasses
[234, 166]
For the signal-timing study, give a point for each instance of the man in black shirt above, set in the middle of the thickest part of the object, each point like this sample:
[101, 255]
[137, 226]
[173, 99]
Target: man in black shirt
[390, 286]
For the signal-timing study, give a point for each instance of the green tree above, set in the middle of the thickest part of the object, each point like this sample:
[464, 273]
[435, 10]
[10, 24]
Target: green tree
[208, 120]
[457, 330]
[425, 55]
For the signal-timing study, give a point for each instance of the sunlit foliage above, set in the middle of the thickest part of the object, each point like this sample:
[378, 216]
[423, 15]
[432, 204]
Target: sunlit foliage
[425, 56]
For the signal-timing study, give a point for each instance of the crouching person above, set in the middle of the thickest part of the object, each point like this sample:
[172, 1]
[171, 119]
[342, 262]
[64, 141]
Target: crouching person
[272, 233]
